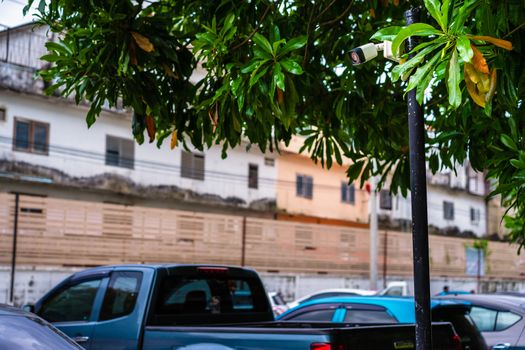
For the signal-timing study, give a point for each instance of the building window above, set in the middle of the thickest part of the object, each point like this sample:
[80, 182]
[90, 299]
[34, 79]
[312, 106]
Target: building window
[120, 152]
[253, 176]
[448, 210]
[475, 216]
[385, 200]
[304, 186]
[347, 193]
[192, 166]
[3, 114]
[31, 136]
[269, 161]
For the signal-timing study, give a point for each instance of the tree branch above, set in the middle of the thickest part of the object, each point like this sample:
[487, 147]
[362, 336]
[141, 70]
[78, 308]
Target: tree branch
[341, 15]
[255, 30]
[514, 30]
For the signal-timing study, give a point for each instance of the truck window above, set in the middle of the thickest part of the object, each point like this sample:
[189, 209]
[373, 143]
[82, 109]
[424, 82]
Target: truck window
[202, 298]
[314, 315]
[368, 316]
[121, 295]
[74, 303]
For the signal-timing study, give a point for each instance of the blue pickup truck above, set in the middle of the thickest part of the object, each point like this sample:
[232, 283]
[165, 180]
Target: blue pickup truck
[196, 307]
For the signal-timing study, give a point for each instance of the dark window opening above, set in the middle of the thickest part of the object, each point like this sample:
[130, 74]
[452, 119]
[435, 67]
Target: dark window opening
[120, 152]
[192, 166]
[253, 176]
[31, 136]
[304, 186]
[385, 200]
[3, 114]
[448, 210]
[347, 193]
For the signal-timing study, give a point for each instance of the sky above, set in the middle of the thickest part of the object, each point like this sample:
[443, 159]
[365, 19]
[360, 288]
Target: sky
[11, 13]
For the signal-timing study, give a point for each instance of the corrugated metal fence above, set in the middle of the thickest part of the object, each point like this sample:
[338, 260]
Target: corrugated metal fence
[57, 232]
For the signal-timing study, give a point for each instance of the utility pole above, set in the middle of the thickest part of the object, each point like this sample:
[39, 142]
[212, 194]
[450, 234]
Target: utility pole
[13, 253]
[373, 234]
[418, 188]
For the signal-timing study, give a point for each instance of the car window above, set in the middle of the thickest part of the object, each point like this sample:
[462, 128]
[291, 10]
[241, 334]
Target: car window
[74, 303]
[368, 316]
[506, 319]
[20, 332]
[394, 291]
[121, 295]
[485, 319]
[313, 315]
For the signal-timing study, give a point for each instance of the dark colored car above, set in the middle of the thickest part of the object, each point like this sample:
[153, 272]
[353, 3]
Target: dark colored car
[388, 310]
[22, 330]
[500, 318]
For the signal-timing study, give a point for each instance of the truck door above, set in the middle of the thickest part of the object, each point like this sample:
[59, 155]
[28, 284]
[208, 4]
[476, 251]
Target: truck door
[72, 308]
[122, 311]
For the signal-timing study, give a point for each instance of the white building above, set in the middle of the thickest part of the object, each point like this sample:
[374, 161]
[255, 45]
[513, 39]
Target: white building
[46, 147]
[456, 203]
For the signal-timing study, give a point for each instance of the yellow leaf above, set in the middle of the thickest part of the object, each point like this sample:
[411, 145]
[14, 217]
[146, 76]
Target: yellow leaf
[479, 61]
[143, 42]
[484, 84]
[173, 142]
[477, 97]
[504, 44]
[472, 73]
[150, 127]
[492, 89]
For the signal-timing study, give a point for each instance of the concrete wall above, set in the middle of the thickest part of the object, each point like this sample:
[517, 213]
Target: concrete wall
[80, 152]
[32, 283]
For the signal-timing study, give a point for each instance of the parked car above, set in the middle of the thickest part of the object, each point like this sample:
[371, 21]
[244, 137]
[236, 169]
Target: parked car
[175, 307]
[387, 310]
[278, 304]
[327, 293]
[22, 330]
[500, 318]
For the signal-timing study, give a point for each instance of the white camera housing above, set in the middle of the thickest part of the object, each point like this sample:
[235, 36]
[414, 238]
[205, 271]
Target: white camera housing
[368, 52]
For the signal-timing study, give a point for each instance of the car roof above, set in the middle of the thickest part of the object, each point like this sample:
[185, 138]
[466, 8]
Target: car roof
[491, 300]
[7, 310]
[401, 307]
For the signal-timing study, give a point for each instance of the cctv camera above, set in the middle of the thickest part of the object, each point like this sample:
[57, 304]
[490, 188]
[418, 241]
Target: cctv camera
[363, 53]
[368, 52]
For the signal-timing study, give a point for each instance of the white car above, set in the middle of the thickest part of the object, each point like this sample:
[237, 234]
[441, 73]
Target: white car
[327, 293]
[278, 304]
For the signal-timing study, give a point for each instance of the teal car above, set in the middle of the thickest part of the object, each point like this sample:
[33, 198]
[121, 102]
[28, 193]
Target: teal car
[388, 310]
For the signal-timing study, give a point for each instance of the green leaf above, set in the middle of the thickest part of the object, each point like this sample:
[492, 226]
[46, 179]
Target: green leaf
[263, 43]
[509, 142]
[354, 170]
[386, 34]
[422, 72]
[444, 14]
[454, 77]
[435, 11]
[416, 29]
[250, 66]
[255, 76]
[400, 69]
[518, 164]
[293, 44]
[278, 76]
[291, 66]
[463, 46]
[462, 14]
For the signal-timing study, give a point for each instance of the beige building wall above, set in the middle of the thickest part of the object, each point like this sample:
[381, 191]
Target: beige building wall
[326, 200]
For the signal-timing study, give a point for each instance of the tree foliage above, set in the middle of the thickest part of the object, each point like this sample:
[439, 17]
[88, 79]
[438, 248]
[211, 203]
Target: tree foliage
[278, 68]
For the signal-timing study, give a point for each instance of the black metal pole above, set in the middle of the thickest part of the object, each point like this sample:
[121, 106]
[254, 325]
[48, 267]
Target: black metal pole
[243, 249]
[385, 257]
[13, 257]
[418, 188]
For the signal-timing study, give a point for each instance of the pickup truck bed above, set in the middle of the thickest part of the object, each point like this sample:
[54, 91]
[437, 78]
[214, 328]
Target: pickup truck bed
[296, 336]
